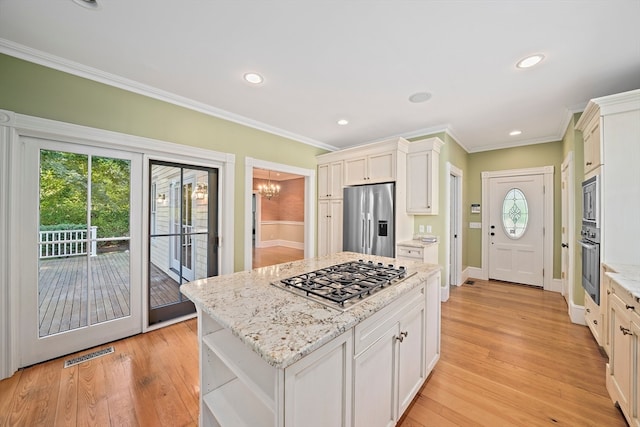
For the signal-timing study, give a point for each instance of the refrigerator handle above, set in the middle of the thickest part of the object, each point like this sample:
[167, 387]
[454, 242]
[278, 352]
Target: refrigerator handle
[369, 231]
[364, 232]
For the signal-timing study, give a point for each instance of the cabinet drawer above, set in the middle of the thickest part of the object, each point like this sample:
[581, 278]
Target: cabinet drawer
[410, 252]
[592, 317]
[370, 330]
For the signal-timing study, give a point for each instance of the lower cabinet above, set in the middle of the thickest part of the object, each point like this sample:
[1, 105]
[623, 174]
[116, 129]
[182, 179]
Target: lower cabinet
[593, 318]
[624, 361]
[367, 376]
[389, 362]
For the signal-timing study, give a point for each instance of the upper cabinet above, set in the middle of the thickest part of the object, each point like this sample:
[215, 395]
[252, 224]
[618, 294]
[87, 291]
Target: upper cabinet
[590, 128]
[330, 180]
[423, 160]
[370, 169]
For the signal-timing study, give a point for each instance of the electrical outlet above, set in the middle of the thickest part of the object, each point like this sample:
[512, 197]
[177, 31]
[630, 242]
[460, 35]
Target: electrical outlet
[421, 228]
[428, 229]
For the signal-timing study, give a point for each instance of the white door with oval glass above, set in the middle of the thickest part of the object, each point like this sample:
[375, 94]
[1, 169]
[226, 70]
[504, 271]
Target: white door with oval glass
[516, 229]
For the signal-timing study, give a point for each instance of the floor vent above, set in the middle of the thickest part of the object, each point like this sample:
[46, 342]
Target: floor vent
[469, 282]
[89, 356]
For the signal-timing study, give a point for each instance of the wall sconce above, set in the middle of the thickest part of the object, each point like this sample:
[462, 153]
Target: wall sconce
[200, 193]
[161, 198]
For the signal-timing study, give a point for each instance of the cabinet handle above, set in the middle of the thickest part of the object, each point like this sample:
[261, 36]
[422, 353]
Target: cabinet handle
[625, 331]
[400, 338]
[404, 334]
[595, 322]
[589, 163]
[608, 292]
[630, 307]
[588, 310]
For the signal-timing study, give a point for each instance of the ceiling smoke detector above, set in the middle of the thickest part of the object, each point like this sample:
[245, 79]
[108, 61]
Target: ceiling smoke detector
[88, 4]
[420, 97]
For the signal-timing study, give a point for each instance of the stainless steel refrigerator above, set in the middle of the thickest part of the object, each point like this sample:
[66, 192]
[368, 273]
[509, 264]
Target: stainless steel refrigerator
[368, 219]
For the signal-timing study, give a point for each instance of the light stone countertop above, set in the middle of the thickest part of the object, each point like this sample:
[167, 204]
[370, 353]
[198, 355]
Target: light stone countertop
[627, 276]
[416, 243]
[280, 326]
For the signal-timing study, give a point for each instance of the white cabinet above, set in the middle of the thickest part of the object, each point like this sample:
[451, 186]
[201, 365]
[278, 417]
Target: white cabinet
[330, 180]
[591, 138]
[414, 251]
[624, 362]
[594, 318]
[423, 160]
[238, 388]
[370, 169]
[389, 364]
[329, 227]
[323, 376]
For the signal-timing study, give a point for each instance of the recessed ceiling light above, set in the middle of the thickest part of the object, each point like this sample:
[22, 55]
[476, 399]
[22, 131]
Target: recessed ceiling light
[89, 4]
[420, 97]
[253, 78]
[530, 61]
[515, 132]
[343, 122]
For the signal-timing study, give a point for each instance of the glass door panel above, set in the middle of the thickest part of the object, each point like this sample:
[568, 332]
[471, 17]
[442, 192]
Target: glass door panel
[183, 225]
[83, 248]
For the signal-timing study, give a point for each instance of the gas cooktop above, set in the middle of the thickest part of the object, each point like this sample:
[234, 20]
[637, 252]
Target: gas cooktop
[342, 286]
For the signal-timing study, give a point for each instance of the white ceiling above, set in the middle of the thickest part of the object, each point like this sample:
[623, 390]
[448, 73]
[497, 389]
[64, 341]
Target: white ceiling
[359, 60]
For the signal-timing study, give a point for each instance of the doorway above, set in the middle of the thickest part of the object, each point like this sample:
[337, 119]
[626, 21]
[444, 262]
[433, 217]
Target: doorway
[454, 218]
[308, 205]
[518, 226]
[183, 235]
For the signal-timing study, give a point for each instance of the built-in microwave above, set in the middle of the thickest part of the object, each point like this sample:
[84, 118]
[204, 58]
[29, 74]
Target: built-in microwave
[591, 202]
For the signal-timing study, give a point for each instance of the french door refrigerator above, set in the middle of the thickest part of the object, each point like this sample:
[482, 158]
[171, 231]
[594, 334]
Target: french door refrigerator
[368, 219]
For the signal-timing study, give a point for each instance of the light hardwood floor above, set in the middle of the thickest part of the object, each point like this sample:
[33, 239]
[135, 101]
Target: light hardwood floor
[263, 257]
[510, 357]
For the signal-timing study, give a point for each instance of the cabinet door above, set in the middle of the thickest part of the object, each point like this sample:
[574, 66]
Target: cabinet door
[330, 181]
[419, 182]
[317, 388]
[335, 226]
[329, 227]
[355, 171]
[335, 180]
[620, 357]
[381, 167]
[324, 190]
[592, 145]
[411, 364]
[374, 382]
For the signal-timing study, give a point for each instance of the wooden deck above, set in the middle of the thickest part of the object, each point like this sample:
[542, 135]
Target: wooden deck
[63, 294]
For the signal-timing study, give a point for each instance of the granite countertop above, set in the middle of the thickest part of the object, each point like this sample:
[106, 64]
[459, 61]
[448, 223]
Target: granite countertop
[416, 243]
[627, 276]
[280, 326]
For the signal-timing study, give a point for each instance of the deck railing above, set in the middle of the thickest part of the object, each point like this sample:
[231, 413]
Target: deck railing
[63, 243]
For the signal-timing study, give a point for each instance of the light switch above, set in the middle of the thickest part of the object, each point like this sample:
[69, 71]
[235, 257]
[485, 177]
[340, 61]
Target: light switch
[421, 228]
[475, 225]
[428, 229]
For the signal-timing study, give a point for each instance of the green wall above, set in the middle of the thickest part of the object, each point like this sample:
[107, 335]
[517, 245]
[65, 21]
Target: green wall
[39, 91]
[530, 156]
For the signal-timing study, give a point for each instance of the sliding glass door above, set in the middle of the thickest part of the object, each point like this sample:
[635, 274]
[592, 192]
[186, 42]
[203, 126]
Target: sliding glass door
[183, 234]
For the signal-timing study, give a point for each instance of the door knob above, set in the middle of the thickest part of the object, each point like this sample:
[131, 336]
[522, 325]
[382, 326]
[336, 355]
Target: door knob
[493, 234]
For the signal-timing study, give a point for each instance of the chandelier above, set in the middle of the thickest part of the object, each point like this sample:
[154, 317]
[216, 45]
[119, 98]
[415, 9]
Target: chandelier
[269, 189]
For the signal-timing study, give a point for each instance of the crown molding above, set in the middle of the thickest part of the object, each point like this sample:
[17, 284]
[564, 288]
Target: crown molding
[35, 56]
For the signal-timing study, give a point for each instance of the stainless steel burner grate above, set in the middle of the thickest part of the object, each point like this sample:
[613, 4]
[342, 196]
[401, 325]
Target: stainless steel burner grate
[341, 284]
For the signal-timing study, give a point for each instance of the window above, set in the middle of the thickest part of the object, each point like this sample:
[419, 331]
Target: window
[515, 213]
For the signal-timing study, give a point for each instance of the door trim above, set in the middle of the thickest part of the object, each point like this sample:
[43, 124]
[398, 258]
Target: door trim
[452, 170]
[309, 204]
[13, 126]
[547, 172]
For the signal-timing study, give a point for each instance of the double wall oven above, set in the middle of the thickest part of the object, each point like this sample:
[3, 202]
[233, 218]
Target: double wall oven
[590, 237]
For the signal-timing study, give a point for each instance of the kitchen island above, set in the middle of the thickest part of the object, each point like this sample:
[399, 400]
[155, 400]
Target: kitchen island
[270, 357]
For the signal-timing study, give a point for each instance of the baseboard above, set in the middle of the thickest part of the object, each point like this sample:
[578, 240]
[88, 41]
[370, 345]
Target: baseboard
[556, 286]
[464, 276]
[285, 243]
[475, 272]
[444, 293]
[576, 313]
